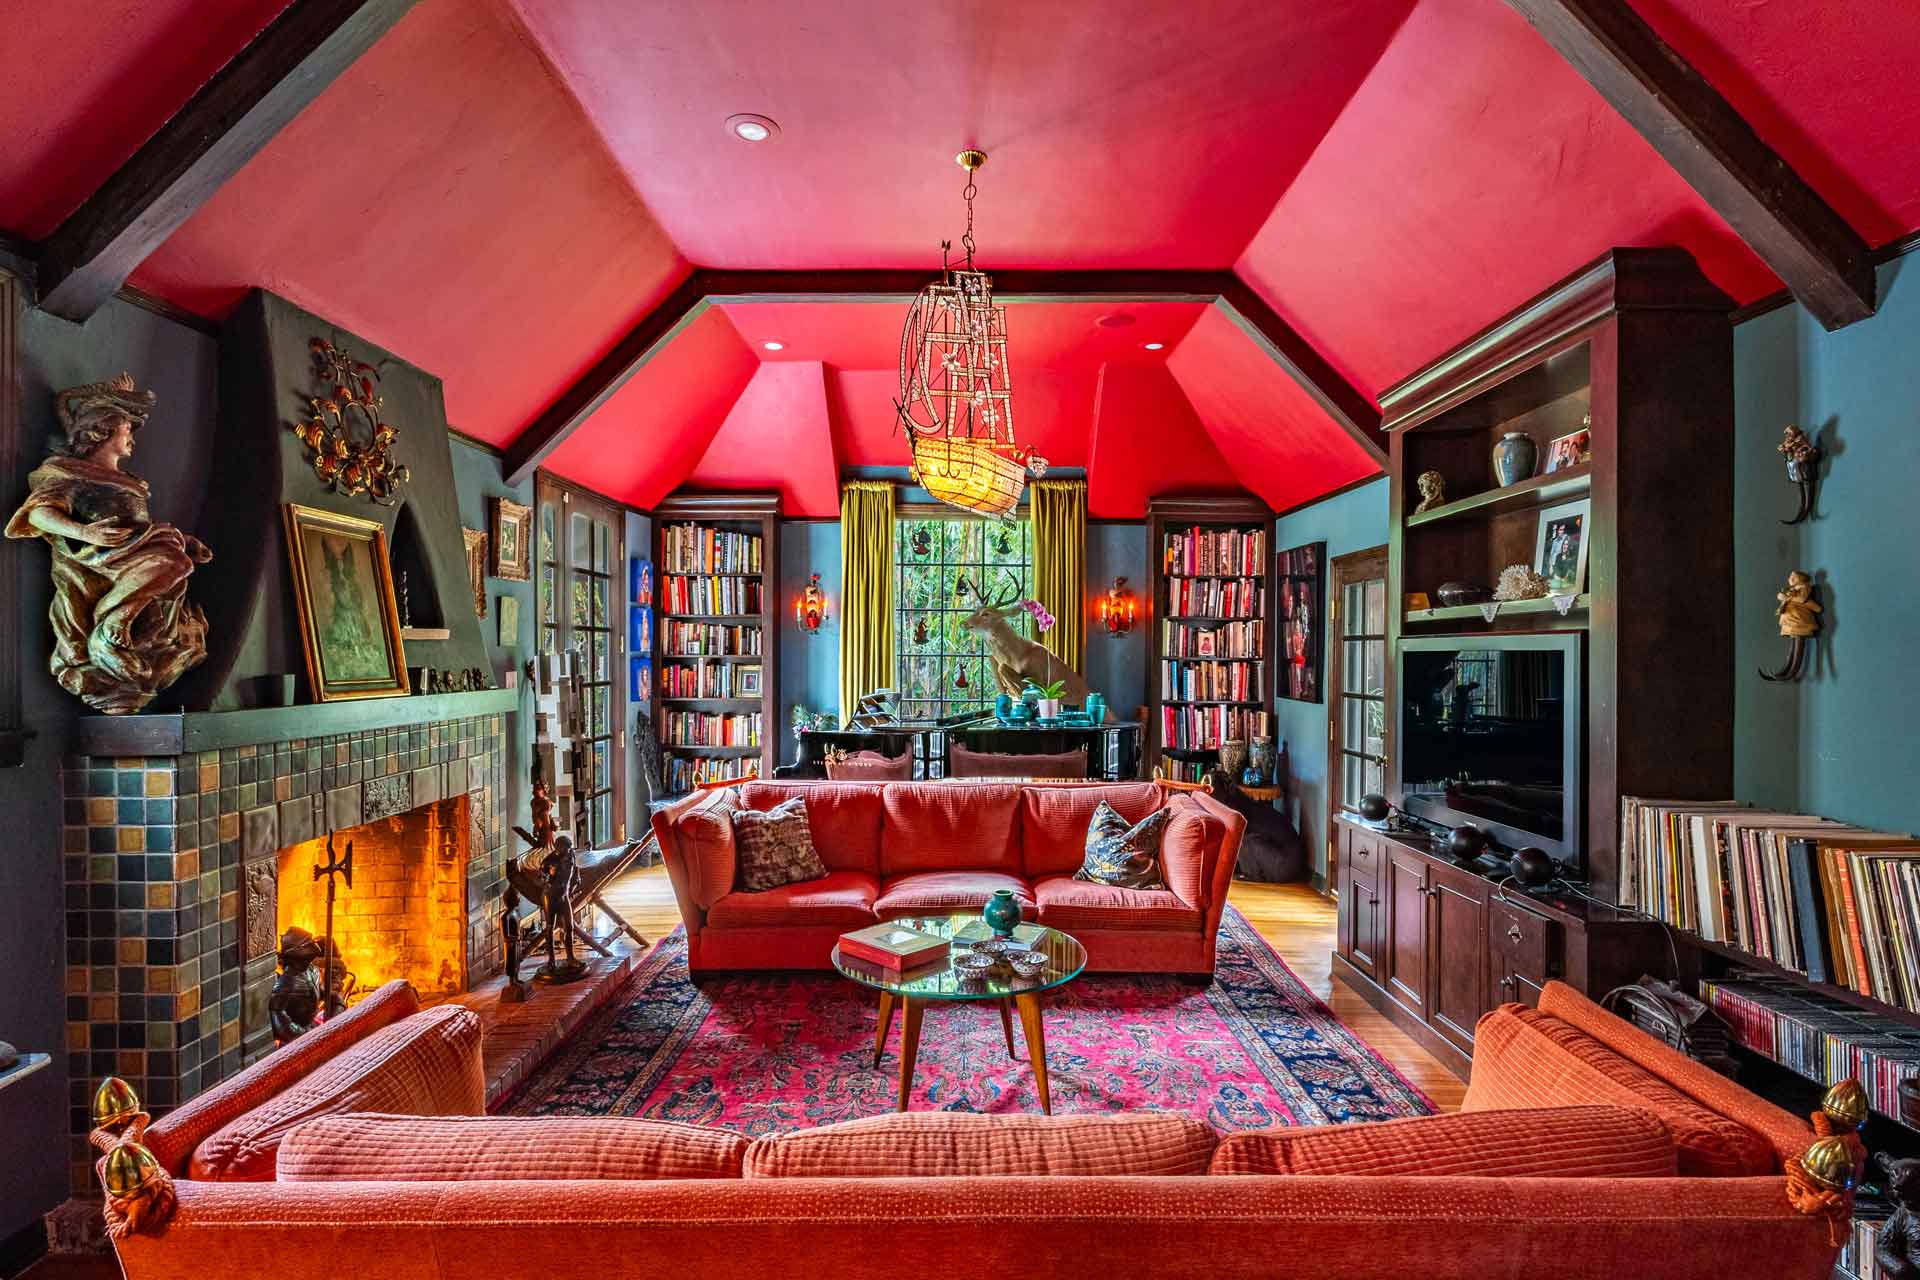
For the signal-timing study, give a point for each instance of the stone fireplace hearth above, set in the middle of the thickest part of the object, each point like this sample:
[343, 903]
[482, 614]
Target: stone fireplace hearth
[171, 930]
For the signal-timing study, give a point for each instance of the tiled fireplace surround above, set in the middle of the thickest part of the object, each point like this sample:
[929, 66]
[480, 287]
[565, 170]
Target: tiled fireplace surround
[168, 971]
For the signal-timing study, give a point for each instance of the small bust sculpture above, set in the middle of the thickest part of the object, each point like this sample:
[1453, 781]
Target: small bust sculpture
[1433, 491]
[123, 628]
[1798, 610]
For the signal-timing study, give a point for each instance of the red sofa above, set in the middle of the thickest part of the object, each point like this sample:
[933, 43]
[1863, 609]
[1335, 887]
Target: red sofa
[1604, 1192]
[930, 848]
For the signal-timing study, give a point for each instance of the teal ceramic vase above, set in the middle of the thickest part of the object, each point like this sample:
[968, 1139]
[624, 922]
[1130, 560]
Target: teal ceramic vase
[1002, 912]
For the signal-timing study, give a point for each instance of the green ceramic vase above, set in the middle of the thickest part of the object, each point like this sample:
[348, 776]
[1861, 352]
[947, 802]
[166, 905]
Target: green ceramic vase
[1002, 912]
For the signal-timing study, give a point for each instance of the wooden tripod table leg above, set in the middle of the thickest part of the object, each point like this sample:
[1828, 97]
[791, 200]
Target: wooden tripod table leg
[1006, 1025]
[1029, 1003]
[886, 1025]
[909, 1047]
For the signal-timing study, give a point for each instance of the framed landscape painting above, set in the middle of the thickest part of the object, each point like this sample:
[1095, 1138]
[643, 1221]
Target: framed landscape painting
[349, 624]
[512, 537]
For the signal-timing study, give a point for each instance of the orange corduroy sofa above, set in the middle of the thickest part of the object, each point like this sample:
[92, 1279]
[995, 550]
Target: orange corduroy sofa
[411, 1198]
[930, 848]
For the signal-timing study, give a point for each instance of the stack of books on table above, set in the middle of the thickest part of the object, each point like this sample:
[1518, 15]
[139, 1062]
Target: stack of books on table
[893, 946]
[1837, 903]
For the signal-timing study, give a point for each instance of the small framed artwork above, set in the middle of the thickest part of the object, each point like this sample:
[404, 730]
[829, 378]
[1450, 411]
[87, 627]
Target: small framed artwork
[1302, 610]
[509, 622]
[343, 588]
[640, 585]
[1204, 643]
[640, 680]
[476, 543]
[1571, 450]
[512, 535]
[1560, 546]
[749, 682]
[640, 631]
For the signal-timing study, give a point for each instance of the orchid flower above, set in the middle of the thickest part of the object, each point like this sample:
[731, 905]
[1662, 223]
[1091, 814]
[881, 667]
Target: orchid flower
[1042, 620]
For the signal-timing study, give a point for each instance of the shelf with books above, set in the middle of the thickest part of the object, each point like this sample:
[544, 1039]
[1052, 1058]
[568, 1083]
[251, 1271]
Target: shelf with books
[716, 670]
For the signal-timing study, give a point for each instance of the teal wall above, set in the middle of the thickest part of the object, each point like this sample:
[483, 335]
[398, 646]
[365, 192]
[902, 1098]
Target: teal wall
[1353, 521]
[809, 665]
[477, 477]
[1842, 742]
[1116, 666]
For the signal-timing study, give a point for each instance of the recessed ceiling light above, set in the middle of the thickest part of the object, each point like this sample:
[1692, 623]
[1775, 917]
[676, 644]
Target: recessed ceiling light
[1153, 346]
[752, 128]
[774, 346]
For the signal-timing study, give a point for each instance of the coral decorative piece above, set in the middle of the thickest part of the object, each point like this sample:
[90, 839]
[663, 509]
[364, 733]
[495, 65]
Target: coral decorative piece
[1518, 582]
[352, 447]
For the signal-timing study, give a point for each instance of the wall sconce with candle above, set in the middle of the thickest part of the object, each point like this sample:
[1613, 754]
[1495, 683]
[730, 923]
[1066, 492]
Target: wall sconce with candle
[810, 608]
[1118, 608]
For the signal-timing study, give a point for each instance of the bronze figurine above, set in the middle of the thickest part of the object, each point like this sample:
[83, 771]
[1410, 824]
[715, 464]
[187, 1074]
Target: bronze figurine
[1799, 615]
[1803, 467]
[1433, 490]
[123, 628]
[1898, 1251]
[515, 992]
[556, 904]
[294, 1001]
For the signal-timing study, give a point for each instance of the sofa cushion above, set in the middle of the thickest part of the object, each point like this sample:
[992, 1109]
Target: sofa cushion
[937, 1144]
[1547, 1142]
[845, 819]
[1122, 854]
[391, 1148]
[774, 847]
[1053, 821]
[424, 1065]
[840, 899]
[871, 766]
[934, 893]
[1524, 1058]
[1065, 765]
[705, 835]
[1072, 905]
[945, 826]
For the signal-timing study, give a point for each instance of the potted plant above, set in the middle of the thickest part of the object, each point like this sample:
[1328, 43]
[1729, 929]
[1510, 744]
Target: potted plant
[1050, 695]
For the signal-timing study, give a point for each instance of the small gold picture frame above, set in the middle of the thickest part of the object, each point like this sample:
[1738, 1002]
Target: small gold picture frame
[512, 535]
[476, 544]
[349, 623]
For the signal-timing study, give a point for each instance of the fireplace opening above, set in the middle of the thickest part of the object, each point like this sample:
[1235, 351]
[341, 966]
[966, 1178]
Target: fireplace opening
[405, 915]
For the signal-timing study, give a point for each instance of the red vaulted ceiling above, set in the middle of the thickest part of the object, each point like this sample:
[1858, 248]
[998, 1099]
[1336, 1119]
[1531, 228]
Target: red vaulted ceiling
[500, 189]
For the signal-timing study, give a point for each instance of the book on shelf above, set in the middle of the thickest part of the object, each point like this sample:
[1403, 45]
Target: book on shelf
[708, 640]
[1816, 1035]
[1215, 551]
[683, 775]
[1204, 680]
[708, 679]
[1216, 598]
[1227, 640]
[694, 548]
[1205, 728]
[893, 946]
[1174, 769]
[711, 594]
[710, 729]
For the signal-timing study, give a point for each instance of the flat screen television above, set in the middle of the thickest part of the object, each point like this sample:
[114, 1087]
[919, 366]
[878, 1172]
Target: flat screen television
[1490, 736]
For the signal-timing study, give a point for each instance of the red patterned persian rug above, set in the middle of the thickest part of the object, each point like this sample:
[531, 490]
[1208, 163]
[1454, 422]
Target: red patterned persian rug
[770, 1053]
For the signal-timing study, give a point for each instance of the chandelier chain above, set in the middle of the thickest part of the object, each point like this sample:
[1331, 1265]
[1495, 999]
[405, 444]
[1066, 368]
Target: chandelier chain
[966, 239]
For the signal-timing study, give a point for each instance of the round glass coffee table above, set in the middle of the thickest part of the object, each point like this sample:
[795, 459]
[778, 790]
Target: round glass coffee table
[910, 990]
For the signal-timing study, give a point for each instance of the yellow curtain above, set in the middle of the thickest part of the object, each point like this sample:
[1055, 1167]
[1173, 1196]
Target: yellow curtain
[1059, 510]
[866, 591]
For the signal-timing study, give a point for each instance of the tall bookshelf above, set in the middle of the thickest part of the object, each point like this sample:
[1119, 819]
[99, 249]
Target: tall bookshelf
[716, 564]
[1228, 693]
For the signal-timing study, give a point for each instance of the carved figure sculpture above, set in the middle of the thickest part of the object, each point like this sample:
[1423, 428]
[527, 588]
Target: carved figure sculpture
[1433, 490]
[1802, 457]
[1016, 659]
[556, 904]
[515, 991]
[1898, 1252]
[1799, 618]
[295, 998]
[123, 628]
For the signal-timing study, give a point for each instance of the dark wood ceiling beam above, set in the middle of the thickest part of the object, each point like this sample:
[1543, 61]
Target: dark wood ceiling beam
[705, 287]
[225, 124]
[1809, 246]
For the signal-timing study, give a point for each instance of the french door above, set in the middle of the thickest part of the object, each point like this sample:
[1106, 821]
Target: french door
[579, 552]
[1357, 730]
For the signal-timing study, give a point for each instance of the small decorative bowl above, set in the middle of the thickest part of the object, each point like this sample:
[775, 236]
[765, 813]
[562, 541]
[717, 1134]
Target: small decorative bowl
[997, 947]
[973, 966]
[1028, 964]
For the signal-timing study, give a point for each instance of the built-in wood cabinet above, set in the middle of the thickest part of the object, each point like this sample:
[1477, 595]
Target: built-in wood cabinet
[1404, 970]
[1456, 953]
[1363, 917]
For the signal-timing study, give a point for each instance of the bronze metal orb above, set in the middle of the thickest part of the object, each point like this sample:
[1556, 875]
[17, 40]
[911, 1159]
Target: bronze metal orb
[1829, 1163]
[1374, 807]
[130, 1170]
[114, 1103]
[1464, 844]
[1846, 1104]
[1531, 867]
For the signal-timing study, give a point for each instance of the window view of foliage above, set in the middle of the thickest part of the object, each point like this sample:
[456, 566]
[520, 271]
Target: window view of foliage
[939, 668]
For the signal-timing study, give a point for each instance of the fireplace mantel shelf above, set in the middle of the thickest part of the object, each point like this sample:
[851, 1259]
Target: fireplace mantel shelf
[182, 732]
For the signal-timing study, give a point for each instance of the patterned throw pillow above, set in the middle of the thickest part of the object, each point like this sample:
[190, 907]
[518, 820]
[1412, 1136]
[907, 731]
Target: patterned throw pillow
[1126, 857]
[774, 847]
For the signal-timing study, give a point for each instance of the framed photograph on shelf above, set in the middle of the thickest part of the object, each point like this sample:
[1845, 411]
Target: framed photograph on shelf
[1300, 584]
[343, 588]
[1204, 643]
[749, 682]
[512, 537]
[1560, 546]
[1571, 450]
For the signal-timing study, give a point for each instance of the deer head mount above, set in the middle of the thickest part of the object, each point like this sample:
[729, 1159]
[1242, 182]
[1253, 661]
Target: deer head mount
[1016, 659]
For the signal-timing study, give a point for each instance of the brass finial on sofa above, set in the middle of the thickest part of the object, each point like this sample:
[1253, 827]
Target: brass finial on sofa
[139, 1192]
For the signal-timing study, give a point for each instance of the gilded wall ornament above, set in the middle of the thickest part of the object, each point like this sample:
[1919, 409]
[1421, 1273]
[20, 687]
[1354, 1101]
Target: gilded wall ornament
[352, 446]
[123, 628]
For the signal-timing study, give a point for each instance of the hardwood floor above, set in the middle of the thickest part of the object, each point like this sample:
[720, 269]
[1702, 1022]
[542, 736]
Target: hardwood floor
[1296, 922]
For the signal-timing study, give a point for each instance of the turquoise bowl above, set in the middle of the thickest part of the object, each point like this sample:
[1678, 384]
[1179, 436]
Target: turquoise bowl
[1002, 912]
